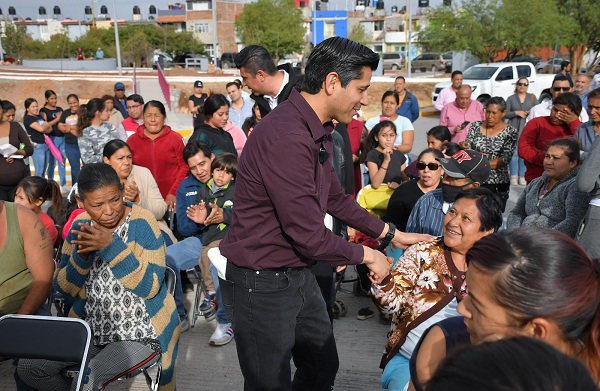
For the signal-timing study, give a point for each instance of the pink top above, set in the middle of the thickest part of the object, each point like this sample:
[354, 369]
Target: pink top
[49, 224]
[447, 95]
[452, 116]
[238, 135]
[67, 227]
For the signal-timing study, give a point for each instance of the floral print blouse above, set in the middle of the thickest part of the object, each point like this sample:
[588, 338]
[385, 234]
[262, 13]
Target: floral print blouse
[419, 280]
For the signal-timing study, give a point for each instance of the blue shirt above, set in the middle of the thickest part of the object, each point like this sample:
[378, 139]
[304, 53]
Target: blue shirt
[186, 196]
[586, 135]
[238, 117]
[409, 107]
[427, 217]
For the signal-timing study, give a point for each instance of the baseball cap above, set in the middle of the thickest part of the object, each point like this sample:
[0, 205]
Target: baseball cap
[198, 83]
[467, 163]
[119, 86]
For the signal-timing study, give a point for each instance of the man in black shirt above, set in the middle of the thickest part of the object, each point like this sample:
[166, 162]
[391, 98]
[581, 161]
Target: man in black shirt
[196, 103]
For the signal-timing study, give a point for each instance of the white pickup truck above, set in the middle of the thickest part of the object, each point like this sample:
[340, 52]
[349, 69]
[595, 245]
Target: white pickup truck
[499, 79]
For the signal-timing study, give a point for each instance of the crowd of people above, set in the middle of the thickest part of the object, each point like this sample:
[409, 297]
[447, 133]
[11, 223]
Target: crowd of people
[142, 198]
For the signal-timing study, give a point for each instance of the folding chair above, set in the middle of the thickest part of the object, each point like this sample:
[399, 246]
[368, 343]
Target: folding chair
[46, 337]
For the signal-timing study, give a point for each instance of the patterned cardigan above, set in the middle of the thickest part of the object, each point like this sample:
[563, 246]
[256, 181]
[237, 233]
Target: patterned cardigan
[139, 265]
[419, 280]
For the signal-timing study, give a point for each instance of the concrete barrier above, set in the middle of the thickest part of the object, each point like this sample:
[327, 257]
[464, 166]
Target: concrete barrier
[67, 64]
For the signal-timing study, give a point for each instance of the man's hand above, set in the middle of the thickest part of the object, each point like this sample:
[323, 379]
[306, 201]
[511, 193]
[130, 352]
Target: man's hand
[377, 263]
[197, 213]
[405, 239]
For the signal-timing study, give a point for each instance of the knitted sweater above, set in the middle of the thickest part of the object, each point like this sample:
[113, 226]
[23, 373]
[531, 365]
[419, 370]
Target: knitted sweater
[562, 208]
[139, 265]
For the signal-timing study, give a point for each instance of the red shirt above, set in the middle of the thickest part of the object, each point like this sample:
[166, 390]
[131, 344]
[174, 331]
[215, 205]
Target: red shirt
[162, 156]
[282, 193]
[537, 134]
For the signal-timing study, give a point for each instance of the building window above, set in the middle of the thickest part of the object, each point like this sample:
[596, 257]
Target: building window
[378, 25]
[201, 28]
[329, 30]
[378, 48]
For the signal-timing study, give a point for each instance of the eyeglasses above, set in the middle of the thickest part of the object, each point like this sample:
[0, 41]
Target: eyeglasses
[133, 107]
[558, 89]
[522, 84]
[431, 166]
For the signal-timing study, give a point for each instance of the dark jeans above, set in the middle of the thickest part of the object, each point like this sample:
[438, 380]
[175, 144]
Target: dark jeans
[278, 315]
[7, 193]
[74, 156]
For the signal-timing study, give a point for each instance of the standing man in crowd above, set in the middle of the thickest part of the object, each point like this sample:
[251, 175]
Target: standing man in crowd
[582, 88]
[560, 85]
[458, 115]
[196, 103]
[135, 109]
[284, 187]
[240, 108]
[120, 99]
[448, 94]
[270, 86]
[409, 105]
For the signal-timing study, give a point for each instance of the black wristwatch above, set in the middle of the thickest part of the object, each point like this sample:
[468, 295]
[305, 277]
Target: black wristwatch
[390, 233]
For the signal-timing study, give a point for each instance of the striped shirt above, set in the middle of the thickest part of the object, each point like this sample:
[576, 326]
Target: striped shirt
[427, 217]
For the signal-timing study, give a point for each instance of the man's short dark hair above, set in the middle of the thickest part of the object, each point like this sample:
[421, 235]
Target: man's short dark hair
[570, 100]
[455, 73]
[560, 77]
[255, 58]
[564, 64]
[135, 98]
[594, 94]
[341, 55]
[232, 83]
[193, 147]
[400, 77]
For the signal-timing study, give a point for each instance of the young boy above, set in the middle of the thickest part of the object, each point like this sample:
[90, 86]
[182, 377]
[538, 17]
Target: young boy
[216, 195]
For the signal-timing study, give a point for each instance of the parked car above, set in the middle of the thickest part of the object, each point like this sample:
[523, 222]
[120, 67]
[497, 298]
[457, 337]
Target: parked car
[433, 61]
[545, 66]
[393, 61]
[227, 60]
[523, 58]
[499, 79]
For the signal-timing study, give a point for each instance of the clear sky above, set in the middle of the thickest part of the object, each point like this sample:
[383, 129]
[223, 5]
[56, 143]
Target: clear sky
[74, 8]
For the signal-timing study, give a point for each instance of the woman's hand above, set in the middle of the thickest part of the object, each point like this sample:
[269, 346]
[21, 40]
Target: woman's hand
[197, 213]
[170, 199]
[91, 238]
[521, 113]
[387, 154]
[215, 216]
[131, 192]
[354, 158]
[393, 185]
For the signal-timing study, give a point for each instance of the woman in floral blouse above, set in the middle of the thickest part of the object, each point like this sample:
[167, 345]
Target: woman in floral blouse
[497, 141]
[425, 277]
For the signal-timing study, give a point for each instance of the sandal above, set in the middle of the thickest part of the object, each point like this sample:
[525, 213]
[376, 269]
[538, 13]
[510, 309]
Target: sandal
[365, 313]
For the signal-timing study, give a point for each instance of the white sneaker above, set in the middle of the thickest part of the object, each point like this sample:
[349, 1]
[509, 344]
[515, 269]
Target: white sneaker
[522, 181]
[222, 335]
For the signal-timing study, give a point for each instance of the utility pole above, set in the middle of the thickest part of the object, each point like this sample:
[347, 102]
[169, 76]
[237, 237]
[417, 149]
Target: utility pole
[118, 47]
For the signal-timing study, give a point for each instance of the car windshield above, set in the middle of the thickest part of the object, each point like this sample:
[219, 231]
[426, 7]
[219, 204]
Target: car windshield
[479, 73]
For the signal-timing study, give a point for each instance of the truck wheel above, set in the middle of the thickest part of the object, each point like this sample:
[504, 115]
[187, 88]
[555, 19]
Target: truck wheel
[395, 67]
[433, 68]
[226, 65]
[545, 95]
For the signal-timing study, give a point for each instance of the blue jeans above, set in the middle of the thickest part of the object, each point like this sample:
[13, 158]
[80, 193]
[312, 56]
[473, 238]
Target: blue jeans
[517, 165]
[60, 144]
[221, 313]
[396, 373]
[277, 315]
[74, 156]
[41, 158]
[183, 255]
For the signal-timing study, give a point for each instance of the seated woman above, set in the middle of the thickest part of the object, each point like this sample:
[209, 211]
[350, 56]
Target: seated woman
[437, 137]
[385, 164]
[138, 183]
[115, 254]
[531, 282]
[422, 287]
[26, 258]
[405, 136]
[553, 200]
[212, 132]
[406, 195]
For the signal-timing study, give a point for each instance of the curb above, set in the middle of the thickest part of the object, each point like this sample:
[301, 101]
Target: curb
[429, 113]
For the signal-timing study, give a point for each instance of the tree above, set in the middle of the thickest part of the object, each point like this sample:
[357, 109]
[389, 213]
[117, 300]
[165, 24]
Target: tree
[488, 27]
[579, 27]
[15, 39]
[359, 34]
[274, 24]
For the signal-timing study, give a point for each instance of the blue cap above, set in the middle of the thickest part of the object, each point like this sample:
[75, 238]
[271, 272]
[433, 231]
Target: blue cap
[119, 86]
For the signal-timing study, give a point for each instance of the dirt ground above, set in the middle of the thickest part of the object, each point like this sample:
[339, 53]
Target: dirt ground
[17, 91]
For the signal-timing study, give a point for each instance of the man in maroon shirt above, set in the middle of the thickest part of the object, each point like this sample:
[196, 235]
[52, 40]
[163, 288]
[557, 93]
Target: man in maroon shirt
[285, 185]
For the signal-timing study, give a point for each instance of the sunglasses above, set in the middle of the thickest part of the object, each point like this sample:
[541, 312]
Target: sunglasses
[558, 89]
[522, 84]
[431, 166]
